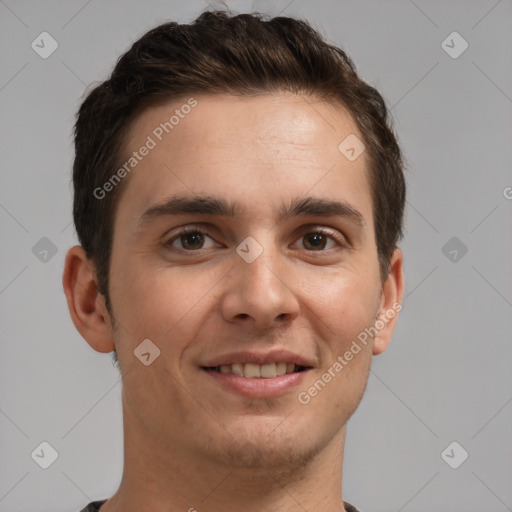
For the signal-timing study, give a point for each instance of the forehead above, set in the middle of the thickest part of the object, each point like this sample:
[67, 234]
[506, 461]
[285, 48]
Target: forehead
[257, 151]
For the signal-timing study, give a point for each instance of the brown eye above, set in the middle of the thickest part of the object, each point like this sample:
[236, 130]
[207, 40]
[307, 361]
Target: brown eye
[317, 241]
[192, 240]
[189, 240]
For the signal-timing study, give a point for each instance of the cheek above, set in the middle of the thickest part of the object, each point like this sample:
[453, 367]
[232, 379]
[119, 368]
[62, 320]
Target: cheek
[357, 308]
[161, 303]
[344, 301]
[339, 384]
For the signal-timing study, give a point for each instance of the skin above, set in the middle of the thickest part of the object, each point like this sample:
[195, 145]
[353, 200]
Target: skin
[190, 444]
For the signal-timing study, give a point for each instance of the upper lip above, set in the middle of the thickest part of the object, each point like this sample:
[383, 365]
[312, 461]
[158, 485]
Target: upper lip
[246, 356]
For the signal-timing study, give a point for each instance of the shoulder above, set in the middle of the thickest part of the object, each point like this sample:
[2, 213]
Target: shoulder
[93, 506]
[350, 508]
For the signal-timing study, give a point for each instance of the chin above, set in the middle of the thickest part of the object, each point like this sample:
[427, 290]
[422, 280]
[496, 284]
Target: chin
[274, 458]
[274, 444]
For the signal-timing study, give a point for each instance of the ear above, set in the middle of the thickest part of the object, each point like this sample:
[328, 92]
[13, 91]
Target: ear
[390, 303]
[85, 302]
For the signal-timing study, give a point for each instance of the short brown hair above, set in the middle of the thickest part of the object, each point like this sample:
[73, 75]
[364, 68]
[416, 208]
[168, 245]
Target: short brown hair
[245, 54]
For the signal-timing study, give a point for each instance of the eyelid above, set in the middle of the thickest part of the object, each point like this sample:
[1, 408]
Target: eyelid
[169, 239]
[332, 233]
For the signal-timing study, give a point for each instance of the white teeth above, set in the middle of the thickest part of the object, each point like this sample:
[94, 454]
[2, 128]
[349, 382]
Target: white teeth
[237, 369]
[257, 371]
[280, 369]
[251, 371]
[268, 371]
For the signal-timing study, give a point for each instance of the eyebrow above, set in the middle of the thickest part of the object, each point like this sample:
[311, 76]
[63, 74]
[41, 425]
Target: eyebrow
[208, 205]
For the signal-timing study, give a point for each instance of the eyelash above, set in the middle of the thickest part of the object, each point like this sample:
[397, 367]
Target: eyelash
[198, 229]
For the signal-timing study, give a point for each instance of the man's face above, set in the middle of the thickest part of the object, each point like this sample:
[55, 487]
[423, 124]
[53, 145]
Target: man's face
[300, 289]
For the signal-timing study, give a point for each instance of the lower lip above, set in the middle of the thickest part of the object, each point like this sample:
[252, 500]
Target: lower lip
[258, 388]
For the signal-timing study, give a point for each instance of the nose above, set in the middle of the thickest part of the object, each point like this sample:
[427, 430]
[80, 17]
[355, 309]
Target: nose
[261, 293]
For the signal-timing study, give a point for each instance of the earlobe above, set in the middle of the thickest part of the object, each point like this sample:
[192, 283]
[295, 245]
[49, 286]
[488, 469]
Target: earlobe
[85, 303]
[390, 303]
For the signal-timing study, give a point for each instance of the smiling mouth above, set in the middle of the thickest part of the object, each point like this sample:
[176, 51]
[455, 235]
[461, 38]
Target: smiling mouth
[257, 371]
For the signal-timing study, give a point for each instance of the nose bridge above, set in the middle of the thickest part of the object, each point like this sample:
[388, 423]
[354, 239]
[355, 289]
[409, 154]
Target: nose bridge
[262, 271]
[259, 287]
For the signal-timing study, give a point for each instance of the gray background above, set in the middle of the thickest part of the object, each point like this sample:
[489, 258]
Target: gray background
[447, 373]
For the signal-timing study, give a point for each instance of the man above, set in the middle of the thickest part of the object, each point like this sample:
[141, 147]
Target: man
[239, 195]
